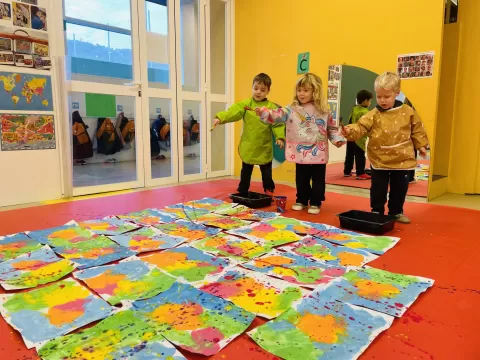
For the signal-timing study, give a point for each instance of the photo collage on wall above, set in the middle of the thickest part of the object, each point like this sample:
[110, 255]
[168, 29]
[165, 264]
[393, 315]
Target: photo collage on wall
[334, 90]
[23, 34]
[415, 66]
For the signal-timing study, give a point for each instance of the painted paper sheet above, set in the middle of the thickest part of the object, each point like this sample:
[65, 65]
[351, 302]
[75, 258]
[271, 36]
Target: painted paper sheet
[329, 253]
[108, 226]
[147, 239]
[290, 224]
[128, 280]
[321, 329]
[222, 222]
[194, 320]
[182, 211]
[210, 204]
[295, 269]
[12, 246]
[63, 236]
[51, 311]
[379, 290]
[94, 252]
[232, 247]
[254, 292]
[188, 230]
[374, 244]
[268, 234]
[27, 132]
[256, 215]
[236, 209]
[36, 268]
[188, 264]
[120, 336]
[148, 217]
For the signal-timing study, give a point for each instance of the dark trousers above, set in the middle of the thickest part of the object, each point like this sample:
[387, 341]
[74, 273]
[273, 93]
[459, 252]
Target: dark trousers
[246, 176]
[411, 173]
[313, 193]
[354, 153]
[398, 180]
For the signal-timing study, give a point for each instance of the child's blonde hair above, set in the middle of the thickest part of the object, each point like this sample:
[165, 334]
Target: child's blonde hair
[388, 81]
[319, 98]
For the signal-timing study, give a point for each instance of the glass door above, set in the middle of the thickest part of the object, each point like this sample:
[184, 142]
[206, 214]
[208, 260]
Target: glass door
[103, 78]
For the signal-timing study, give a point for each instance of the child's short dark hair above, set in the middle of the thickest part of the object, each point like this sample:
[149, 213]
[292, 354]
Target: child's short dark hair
[363, 95]
[264, 79]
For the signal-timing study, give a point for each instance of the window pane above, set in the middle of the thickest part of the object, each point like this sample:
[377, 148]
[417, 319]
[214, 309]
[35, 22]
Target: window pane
[98, 55]
[191, 137]
[218, 155]
[160, 136]
[218, 32]
[190, 44]
[157, 44]
[106, 12]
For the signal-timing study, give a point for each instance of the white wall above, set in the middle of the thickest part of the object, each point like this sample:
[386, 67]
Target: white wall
[31, 175]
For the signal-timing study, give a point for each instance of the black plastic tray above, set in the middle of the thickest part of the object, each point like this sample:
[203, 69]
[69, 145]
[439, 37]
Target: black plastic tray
[366, 222]
[252, 200]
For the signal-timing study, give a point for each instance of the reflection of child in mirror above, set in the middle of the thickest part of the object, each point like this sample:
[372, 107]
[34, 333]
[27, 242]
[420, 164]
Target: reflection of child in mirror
[395, 130]
[309, 127]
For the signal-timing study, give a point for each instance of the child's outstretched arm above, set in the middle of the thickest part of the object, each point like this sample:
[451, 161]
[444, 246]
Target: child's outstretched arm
[272, 116]
[356, 131]
[234, 113]
[419, 135]
[334, 133]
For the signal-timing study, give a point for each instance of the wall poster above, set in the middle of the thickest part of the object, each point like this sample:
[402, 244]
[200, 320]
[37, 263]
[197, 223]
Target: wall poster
[415, 66]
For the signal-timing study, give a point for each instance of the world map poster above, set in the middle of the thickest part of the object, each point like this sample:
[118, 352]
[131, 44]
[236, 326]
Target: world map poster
[27, 132]
[25, 92]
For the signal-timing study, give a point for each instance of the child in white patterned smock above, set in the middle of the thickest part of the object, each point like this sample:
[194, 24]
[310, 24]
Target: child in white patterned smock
[395, 131]
[309, 127]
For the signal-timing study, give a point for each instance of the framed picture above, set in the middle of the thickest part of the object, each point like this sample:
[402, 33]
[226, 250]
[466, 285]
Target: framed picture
[40, 49]
[7, 58]
[24, 60]
[23, 46]
[5, 44]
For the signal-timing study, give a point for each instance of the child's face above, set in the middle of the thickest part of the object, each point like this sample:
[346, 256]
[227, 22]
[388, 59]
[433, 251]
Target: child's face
[386, 97]
[259, 91]
[304, 94]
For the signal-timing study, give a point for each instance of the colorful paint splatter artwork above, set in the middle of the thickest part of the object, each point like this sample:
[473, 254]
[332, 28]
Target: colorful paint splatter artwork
[120, 336]
[39, 267]
[147, 239]
[64, 236]
[290, 224]
[373, 244]
[97, 251]
[233, 210]
[232, 247]
[149, 217]
[128, 280]
[209, 204]
[188, 230]
[15, 245]
[256, 215]
[189, 264]
[317, 329]
[254, 292]
[379, 290]
[266, 233]
[194, 320]
[329, 253]
[295, 269]
[180, 211]
[222, 222]
[51, 311]
[108, 226]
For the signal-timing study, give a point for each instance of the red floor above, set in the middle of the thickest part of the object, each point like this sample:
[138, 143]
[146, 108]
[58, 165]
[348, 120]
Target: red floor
[440, 244]
[335, 177]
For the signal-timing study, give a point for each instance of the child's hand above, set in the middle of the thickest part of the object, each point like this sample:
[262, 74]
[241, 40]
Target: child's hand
[346, 131]
[423, 152]
[280, 143]
[216, 122]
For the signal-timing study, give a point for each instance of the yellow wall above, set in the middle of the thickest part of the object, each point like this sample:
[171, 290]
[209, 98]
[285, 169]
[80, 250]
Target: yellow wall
[269, 34]
[464, 176]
